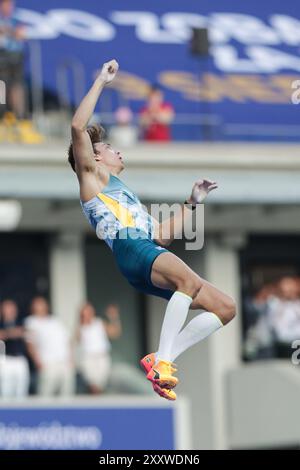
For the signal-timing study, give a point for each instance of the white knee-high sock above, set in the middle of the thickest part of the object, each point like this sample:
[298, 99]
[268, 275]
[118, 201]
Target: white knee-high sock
[175, 316]
[199, 328]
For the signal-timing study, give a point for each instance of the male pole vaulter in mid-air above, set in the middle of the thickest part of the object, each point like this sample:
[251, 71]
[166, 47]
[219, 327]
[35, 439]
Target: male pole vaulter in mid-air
[137, 243]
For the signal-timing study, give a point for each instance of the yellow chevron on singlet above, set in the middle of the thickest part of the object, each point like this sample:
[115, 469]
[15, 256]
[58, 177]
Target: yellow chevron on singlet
[120, 212]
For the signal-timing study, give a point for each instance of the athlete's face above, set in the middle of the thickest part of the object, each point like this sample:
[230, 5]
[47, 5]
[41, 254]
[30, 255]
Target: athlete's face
[105, 154]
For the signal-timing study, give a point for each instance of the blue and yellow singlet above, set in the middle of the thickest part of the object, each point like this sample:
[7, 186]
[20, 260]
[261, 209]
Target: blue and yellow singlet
[115, 208]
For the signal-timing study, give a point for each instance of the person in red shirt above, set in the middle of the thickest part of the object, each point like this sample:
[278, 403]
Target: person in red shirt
[156, 117]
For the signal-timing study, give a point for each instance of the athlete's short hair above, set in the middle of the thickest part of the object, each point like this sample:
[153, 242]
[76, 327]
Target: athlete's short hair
[96, 133]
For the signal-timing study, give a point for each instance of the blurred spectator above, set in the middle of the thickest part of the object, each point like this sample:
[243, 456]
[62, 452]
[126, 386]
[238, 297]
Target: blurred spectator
[123, 133]
[12, 36]
[15, 126]
[50, 350]
[284, 312]
[94, 347]
[156, 117]
[273, 317]
[14, 370]
[259, 343]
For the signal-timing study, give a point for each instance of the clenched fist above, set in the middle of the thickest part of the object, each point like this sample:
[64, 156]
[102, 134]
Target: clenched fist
[109, 71]
[200, 190]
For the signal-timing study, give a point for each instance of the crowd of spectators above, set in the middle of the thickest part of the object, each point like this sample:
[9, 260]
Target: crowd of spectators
[154, 121]
[43, 358]
[272, 317]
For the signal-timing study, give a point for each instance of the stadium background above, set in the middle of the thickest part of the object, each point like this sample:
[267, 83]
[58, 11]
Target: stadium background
[243, 132]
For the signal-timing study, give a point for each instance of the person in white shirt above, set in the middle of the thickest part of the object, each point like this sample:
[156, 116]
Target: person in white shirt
[14, 370]
[50, 350]
[93, 335]
[284, 315]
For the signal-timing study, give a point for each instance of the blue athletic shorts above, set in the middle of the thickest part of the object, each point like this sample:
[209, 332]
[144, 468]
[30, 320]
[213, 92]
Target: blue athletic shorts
[135, 253]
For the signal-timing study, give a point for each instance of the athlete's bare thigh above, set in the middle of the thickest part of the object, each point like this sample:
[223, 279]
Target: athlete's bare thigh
[170, 272]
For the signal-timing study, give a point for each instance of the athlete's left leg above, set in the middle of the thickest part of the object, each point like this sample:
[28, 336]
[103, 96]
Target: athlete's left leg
[169, 271]
[199, 328]
[204, 324]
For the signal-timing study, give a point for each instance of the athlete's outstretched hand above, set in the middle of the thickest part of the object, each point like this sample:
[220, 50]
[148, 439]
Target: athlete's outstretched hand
[201, 189]
[109, 71]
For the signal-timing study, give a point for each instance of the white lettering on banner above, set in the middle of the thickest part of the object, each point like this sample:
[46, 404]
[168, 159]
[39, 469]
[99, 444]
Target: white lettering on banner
[82, 25]
[180, 24]
[288, 29]
[271, 60]
[261, 59]
[244, 28]
[226, 59]
[53, 435]
[38, 24]
[147, 27]
[75, 23]
[175, 28]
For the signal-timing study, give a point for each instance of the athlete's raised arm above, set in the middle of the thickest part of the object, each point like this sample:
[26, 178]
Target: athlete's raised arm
[174, 226]
[85, 165]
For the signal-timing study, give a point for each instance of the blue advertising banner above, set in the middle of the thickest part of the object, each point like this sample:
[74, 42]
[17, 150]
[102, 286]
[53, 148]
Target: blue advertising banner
[87, 428]
[249, 80]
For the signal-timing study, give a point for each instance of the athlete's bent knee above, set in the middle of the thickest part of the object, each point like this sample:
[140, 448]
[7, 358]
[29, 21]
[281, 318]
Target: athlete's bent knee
[190, 286]
[228, 311]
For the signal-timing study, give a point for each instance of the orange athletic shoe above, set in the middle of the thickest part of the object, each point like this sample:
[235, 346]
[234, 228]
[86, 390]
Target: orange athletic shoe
[146, 363]
[161, 374]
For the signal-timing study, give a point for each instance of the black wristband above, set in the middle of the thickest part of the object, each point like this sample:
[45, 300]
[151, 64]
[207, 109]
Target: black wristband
[190, 206]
